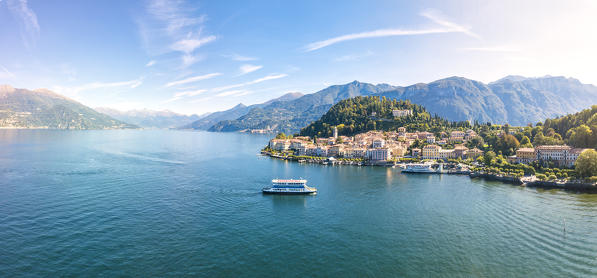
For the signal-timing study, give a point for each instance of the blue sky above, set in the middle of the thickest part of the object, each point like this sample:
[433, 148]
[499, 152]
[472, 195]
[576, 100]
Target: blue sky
[205, 56]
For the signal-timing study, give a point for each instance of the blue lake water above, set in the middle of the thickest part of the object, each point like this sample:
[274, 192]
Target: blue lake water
[180, 203]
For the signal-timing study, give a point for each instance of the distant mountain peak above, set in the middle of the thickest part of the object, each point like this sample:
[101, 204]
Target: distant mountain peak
[4, 88]
[240, 105]
[511, 78]
[43, 108]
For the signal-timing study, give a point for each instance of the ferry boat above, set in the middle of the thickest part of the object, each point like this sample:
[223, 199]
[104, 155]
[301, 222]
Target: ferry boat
[419, 168]
[280, 186]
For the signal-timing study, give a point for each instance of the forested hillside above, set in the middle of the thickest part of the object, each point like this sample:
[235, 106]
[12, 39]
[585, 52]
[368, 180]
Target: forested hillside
[360, 114]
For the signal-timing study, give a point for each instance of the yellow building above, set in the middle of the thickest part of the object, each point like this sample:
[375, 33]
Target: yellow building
[431, 152]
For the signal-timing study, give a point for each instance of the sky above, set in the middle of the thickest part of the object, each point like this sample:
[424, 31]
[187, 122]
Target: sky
[195, 57]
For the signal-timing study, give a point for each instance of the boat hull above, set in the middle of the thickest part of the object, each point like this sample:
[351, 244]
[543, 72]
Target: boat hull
[286, 192]
[418, 171]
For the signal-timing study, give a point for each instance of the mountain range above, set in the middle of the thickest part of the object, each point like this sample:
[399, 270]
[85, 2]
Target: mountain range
[235, 112]
[515, 100]
[150, 118]
[41, 108]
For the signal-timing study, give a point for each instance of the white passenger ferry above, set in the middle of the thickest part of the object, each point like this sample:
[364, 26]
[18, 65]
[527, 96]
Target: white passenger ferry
[419, 168]
[289, 187]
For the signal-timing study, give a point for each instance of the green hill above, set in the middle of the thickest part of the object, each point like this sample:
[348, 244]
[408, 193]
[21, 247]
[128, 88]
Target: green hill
[578, 129]
[360, 114]
[21, 108]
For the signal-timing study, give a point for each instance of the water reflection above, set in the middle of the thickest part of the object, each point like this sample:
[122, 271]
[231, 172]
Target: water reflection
[289, 201]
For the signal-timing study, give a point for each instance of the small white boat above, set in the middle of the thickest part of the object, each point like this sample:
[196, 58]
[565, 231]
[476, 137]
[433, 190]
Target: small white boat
[419, 168]
[289, 187]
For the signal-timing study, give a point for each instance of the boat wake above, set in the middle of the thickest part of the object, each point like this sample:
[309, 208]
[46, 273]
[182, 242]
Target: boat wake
[143, 157]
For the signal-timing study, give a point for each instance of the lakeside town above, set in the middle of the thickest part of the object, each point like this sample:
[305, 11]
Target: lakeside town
[545, 165]
[386, 148]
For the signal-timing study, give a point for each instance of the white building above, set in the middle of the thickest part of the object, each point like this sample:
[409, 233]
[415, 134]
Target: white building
[378, 143]
[401, 113]
[378, 154]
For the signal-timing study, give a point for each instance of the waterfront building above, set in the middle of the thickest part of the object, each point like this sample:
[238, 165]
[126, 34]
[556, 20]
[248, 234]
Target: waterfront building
[355, 152]
[572, 156]
[431, 152]
[525, 155]
[379, 154]
[445, 154]
[311, 150]
[295, 144]
[562, 155]
[430, 139]
[460, 152]
[279, 144]
[555, 153]
[474, 153]
[322, 151]
[336, 151]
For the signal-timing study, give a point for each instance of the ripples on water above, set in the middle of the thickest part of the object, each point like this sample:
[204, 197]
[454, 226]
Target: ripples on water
[176, 203]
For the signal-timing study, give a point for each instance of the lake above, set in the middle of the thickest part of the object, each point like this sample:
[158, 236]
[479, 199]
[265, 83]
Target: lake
[182, 203]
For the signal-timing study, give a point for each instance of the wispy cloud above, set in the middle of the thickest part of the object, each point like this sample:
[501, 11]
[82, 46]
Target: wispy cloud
[259, 80]
[28, 19]
[5, 73]
[499, 48]
[173, 26]
[73, 91]
[247, 68]
[225, 90]
[150, 63]
[189, 45]
[193, 79]
[183, 94]
[353, 57]
[240, 58]
[234, 93]
[445, 27]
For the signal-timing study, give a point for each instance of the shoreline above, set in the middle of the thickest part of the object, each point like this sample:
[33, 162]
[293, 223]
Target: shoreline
[571, 186]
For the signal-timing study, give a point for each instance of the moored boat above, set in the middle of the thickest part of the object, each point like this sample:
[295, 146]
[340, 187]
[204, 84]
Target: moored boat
[289, 187]
[419, 168]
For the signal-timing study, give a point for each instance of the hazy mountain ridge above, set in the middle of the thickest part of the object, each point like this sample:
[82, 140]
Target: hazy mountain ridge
[150, 118]
[41, 108]
[516, 100]
[289, 116]
[236, 112]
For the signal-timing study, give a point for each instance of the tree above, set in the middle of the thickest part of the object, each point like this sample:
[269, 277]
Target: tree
[582, 137]
[525, 142]
[488, 157]
[586, 164]
[281, 135]
[507, 144]
[475, 142]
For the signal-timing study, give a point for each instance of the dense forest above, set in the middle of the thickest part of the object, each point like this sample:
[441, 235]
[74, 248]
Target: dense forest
[578, 130]
[361, 114]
